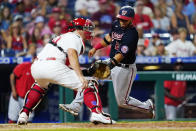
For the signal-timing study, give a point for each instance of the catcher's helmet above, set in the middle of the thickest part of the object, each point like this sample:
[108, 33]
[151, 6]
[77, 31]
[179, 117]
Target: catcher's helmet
[69, 27]
[126, 13]
[84, 24]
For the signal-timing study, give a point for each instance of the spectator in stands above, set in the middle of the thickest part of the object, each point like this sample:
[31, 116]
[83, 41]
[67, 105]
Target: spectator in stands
[103, 19]
[161, 23]
[19, 8]
[30, 53]
[149, 4]
[167, 11]
[140, 48]
[37, 39]
[58, 16]
[41, 8]
[57, 28]
[190, 8]
[113, 8]
[15, 39]
[8, 4]
[86, 8]
[194, 40]
[39, 23]
[174, 96]
[50, 5]
[19, 20]
[66, 13]
[5, 19]
[20, 81]
[142, 21]
[2, 43]
[178, 19]
[145, 9]
[174, 34]
[46, 38]
[28, 7]
[181, 47]
[193, 24]
[55, 16]
[160, 48]
[151, 50]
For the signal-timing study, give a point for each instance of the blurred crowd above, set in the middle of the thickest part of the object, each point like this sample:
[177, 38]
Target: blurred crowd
[166, 27]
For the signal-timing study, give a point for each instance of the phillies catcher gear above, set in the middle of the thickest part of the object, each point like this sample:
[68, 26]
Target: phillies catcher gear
[86, 25]
[101, 69]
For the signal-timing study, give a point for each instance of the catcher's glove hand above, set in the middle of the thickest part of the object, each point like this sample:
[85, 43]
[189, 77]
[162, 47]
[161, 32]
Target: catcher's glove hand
[100, 70]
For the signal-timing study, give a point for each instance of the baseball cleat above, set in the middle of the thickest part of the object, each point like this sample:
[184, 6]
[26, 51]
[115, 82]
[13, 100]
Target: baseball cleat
[23, 119]
[97, 118]
[69, 108]
[151, 108]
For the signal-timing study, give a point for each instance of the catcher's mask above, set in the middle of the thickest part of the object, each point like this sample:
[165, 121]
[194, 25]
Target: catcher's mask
[86, 25]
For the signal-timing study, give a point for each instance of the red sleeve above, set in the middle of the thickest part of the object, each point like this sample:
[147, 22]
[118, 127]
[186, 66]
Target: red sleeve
[150, 22]
[18, 70]
[167, 84]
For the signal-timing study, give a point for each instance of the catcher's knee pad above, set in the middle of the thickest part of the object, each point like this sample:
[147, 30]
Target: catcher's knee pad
[92, 98]
[33, 97]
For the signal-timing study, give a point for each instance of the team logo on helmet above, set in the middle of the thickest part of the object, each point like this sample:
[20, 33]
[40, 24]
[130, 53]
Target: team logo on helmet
[124, 12]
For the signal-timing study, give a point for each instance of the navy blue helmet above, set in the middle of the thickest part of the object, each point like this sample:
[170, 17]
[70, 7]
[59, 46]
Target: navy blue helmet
[126, 13]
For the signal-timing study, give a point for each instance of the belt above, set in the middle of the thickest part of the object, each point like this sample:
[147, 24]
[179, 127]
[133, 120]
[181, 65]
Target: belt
[48, 58]
[124, 65]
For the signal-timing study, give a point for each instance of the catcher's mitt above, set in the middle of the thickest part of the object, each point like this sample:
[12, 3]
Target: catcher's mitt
[101, 70]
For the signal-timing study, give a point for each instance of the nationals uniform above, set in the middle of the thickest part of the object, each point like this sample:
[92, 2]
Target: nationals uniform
[23, 82]
[54, 57]
[123, 41]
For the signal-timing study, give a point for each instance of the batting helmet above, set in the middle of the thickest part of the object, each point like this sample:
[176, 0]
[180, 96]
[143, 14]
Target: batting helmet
[126, 13]
[84, 24]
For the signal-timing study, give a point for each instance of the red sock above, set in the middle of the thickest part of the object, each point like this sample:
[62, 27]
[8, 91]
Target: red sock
[10, 121]
[33, 97]
[92, 100]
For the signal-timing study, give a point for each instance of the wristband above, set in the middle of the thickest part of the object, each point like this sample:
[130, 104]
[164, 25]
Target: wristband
[98, 46]
[107, 42]
[115, 61]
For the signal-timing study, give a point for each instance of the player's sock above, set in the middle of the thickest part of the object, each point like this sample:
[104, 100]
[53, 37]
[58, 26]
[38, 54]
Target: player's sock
[92, 100]
[33, 98]
[10, 121]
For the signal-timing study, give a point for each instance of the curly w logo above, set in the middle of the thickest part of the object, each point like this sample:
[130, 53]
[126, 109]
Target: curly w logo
[124, 12]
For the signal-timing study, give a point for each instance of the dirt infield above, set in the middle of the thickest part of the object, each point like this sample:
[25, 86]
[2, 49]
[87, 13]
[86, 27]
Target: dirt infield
[166, 125]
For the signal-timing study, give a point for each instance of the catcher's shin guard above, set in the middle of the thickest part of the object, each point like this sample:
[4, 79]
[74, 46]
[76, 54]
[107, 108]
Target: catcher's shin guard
[33, 98]
[91, 97]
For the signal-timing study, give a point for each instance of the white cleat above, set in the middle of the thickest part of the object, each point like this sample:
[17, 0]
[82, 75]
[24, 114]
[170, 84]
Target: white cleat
[69, 108]
[151, 108]
[97, 118]
[23, 119]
